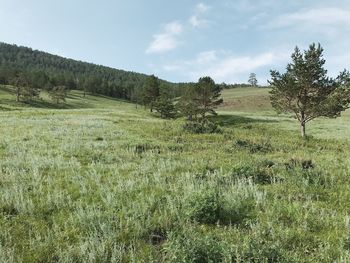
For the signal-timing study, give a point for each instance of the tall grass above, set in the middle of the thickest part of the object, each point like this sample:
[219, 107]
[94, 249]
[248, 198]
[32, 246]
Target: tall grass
[118, 185]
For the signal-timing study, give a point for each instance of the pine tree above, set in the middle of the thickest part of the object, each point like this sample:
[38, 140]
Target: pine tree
[207, 96]
[165, 106]
[151, 92]
[188, 105]
[252, 80]
[306, 91]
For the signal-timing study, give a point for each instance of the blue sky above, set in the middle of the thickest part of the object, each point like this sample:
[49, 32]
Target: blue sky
[184, 39]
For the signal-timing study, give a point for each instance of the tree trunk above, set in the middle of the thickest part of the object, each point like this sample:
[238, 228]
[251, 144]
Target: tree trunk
[302, 129]
[17, 94]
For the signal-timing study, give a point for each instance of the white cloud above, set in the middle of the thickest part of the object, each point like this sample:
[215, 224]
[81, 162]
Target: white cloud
[167, 40]
[222, 66]
[196, 20]
[202, 8]
[315, 18]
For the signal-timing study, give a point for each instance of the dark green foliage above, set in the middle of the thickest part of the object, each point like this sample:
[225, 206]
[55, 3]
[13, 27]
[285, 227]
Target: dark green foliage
[204, 207]
[306, 91]
[151, 92]
[164, 105]
[201, 126]
[207, 96]
[201, 98]
[187, 105]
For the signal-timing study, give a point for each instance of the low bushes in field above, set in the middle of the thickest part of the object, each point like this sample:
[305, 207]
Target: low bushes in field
[253, 147]
[209, 206]
[260, 174]
[201, 126]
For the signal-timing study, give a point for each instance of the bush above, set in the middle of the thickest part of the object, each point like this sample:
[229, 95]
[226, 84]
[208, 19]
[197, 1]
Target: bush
[299, 163]
[204, 207]
[259, 175]
[201, 126]
[252, 147]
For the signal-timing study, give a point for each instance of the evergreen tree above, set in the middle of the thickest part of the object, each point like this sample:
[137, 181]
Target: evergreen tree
[188, 105]
[207, 96]
[151, 92]
[252, 80]
[306, 91]
[165, 106]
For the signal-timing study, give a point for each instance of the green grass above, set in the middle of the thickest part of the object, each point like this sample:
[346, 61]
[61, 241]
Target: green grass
[98, 180]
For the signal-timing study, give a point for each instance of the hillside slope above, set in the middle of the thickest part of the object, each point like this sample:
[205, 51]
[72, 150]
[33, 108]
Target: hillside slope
[72, 73]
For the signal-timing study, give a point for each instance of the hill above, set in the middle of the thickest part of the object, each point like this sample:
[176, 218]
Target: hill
[42, 66]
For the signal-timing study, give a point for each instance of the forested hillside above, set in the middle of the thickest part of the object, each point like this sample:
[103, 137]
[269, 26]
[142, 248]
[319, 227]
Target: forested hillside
[46, 70]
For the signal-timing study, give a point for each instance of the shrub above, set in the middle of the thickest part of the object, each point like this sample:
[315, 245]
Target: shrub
[204, 207]
[262, 147]
[259, 175]
[201, 126]
[299, 163]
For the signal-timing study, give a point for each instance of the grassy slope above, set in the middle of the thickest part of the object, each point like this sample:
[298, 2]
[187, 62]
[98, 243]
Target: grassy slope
[255, 103]
[107, 182]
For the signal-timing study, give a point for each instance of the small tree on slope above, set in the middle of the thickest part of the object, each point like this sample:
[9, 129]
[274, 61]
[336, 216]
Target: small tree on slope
[252, 80]
[208, 96]
[306, 91]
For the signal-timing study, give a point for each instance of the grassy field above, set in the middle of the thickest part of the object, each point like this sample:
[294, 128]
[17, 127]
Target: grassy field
[98, 180]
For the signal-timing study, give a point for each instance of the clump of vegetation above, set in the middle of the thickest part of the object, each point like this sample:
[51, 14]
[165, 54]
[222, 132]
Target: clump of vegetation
[260, 174]
[204, 206]
[300, 163]
[252, 147]
[201, 126]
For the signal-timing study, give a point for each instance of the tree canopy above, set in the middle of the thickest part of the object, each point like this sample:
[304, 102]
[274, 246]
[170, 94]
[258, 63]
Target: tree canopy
[305, 89]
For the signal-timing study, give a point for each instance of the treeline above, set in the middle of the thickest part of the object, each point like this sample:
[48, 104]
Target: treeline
[46, 71]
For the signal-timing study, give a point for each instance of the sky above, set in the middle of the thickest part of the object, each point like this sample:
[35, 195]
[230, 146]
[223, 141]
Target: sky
[182, 40]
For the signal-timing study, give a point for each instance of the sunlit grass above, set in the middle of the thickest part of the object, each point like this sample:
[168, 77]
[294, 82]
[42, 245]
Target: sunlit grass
[106, 182]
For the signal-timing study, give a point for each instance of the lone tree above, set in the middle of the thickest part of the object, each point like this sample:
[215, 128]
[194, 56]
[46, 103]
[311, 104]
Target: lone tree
[207, 96]
[252, 80]
[306, 91]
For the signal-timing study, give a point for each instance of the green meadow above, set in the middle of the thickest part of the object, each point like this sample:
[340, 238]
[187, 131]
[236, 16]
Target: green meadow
[100, 180]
